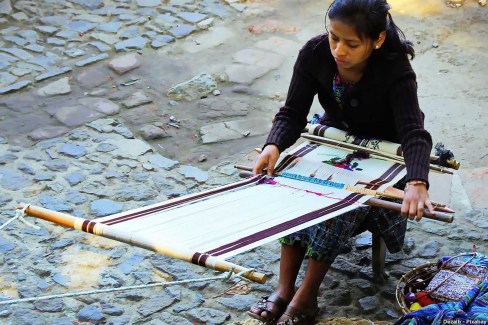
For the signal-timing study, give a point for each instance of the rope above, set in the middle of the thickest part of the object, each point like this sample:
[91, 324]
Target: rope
[19, 214]
[225, 276]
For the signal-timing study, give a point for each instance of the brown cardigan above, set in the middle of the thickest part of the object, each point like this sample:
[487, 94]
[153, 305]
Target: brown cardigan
[383, 104]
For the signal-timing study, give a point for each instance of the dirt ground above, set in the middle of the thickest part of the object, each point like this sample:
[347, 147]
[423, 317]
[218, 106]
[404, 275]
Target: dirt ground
[450, 42]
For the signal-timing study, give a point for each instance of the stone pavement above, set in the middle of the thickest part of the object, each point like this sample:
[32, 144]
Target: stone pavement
[95, 98]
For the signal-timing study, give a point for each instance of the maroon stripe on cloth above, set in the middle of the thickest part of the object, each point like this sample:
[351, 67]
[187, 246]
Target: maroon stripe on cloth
[203, 260]
[300, 153]
[387, 176]
[284, 226]
[84, 225]
[399, 151]
[90, 227]
[195, 257]
[320, 130]
[183, 200]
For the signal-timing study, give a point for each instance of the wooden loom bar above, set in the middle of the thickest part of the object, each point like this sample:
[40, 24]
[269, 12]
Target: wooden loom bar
[379, 154]
[132, 239]
[454, 164]
[393, 194]
[438, 215]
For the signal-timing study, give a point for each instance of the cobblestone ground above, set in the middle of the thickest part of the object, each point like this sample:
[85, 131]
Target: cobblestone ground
[96, 118]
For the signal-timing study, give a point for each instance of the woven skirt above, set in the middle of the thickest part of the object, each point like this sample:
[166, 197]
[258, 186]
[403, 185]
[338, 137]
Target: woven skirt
[325, 241]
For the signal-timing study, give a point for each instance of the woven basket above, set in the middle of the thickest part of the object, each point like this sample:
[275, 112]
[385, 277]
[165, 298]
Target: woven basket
[425, 272]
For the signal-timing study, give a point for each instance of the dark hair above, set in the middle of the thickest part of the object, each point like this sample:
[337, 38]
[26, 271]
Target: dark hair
[369, 18]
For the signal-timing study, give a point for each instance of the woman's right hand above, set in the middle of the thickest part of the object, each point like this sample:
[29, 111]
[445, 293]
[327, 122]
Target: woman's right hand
[267, 158]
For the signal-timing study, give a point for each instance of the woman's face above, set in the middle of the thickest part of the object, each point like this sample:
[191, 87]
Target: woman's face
[346, 46]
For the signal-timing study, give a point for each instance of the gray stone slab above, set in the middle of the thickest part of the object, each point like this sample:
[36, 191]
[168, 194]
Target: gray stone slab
[244, 74]
[102, 105]
[165, 21]
[16, 86]
[29, 34]
[91, 60]
[56, 20]
[34, 48]
[125, 63]
[111, 27]
[69, 35]
[5, 7]
[43, 61]
[7, 58]
[48, 30]
[20, 16]
[74, 52]
[81, 26]
[136, 99]
[106, 38]
[55, 41]
[130, 148]
[7, 79]
[9, 30]
[59, 87]
[19, 72]
[76, 115]
[148, 3]
[181, 30]
[21, 54]
[29, 66]
[48, 132]
[53, 73]
[102, 47]
[20, 41]
[199, 86]
[137, 43]
[192, 17]
[89, 4]
[161, 40]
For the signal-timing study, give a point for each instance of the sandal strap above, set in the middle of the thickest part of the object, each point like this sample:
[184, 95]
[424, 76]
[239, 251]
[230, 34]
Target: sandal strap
[299, 317]
[273, 313]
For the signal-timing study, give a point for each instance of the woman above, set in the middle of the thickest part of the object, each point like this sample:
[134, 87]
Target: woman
[361, 74]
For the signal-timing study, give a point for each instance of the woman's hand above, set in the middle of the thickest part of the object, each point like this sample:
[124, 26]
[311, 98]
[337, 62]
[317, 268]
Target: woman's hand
[415, 200]
[267, 158]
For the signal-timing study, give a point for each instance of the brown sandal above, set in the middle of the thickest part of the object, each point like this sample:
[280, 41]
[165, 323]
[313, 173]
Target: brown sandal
[299, 317]
[272, 313]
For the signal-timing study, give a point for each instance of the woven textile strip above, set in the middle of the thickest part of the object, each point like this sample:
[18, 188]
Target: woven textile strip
[339, 135]
[238, 217]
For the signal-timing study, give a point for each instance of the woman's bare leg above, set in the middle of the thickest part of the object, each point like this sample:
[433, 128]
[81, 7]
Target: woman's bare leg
[290, 263]
[306, 296]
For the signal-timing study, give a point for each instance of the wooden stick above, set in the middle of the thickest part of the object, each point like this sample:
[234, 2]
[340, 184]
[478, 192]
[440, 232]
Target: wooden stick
[438, 215]
[454, 164]
[146, 243]
[395, 193]
[382, 155]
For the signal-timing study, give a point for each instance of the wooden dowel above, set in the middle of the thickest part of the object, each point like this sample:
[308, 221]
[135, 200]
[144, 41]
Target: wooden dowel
[381, 155]
[394, 192]
[146, 243]
[438, 215]
[452, 163]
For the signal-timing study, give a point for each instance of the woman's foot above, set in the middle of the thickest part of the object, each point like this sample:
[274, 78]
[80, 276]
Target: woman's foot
[294, 316]
[268, 309]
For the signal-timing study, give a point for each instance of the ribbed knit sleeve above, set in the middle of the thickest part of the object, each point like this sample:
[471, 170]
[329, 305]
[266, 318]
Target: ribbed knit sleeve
[291, 119]
[415, 140]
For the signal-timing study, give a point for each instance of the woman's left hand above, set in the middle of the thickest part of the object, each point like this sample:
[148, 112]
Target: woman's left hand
[415, 200]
